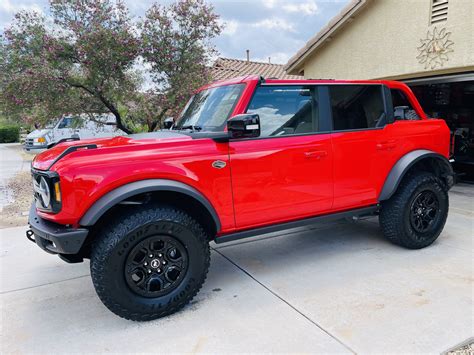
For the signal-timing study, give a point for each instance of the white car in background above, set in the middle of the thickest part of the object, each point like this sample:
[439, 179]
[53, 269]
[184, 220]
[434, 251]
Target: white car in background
[71, 127]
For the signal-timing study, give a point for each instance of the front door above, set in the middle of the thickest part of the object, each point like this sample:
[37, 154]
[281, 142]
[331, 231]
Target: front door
[286, 173]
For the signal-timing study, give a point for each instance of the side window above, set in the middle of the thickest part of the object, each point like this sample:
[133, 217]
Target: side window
[69, 122]
[285, 110]
[400, 101]
[357, 107]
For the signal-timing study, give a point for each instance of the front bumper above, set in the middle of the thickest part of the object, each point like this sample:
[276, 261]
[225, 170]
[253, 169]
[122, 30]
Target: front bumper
[54, 238]
[35, 149]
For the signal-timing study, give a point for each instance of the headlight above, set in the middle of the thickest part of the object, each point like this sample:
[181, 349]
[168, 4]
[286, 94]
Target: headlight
[44, 192]
[47, 190]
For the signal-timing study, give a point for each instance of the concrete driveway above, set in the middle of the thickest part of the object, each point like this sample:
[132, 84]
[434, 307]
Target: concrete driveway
[337, 287]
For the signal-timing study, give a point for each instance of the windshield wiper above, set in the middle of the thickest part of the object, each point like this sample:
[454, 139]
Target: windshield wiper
[191, 127]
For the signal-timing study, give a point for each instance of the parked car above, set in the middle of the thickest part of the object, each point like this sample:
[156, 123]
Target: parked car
[76, 127]
[247, 156]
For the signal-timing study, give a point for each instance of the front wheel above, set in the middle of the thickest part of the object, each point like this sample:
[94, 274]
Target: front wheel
[150, 263]
[416, 214]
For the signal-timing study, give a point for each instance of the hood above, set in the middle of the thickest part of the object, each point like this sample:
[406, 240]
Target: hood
[47, 159]
[38, 133]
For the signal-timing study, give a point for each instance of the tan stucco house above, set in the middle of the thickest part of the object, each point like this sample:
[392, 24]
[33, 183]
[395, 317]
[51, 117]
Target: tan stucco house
[429, 44]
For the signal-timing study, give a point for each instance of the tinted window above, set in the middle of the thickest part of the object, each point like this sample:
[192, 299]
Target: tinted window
[357, 106]
[285, 110]
[399, 99]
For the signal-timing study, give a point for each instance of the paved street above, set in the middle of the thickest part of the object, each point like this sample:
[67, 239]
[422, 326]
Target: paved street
[336, 287]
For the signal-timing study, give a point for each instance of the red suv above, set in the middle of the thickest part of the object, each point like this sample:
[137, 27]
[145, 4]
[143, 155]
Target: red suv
[247, 156]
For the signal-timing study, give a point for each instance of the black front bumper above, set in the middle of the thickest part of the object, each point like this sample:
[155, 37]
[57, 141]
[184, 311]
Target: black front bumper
[54, 238]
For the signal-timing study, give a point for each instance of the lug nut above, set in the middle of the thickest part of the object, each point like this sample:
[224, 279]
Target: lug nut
[149, 271]
[164, 262]
[151, 255]
[158, 270]
[145, 263]
[160, 255]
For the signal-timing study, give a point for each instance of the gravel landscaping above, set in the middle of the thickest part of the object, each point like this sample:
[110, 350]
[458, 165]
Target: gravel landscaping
[16, 189]
[20, 189]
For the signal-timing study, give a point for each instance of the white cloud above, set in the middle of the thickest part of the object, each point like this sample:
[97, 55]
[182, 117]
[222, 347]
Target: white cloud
[306, 8]
[7, 6]
[269, 3]
[275, 58]
[230, 27]
[275, 23]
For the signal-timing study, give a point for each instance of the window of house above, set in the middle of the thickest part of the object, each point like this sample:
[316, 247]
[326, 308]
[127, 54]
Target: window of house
[439, 11]
[357, 107]
[285, 110]
[400, 101]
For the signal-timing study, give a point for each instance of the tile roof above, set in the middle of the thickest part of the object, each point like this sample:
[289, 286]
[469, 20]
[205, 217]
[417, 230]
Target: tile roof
[226, 68]
[325, 34]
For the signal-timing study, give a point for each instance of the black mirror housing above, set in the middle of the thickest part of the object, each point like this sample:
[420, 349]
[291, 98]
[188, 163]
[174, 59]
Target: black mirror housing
[168, 123]
[246, 125]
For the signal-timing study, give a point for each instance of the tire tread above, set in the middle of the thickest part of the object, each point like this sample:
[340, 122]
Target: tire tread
[104, 245]
[391, 214]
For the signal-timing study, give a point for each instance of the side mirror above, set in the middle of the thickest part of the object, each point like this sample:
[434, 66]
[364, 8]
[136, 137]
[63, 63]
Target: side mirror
[399, 112]
[168, 122]
[246, 125]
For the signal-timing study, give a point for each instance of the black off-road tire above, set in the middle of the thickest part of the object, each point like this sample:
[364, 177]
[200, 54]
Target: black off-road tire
[395, 218]
[110, 252]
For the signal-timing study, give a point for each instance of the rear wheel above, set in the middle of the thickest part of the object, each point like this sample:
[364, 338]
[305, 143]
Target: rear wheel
[150, 263]
[416, 214]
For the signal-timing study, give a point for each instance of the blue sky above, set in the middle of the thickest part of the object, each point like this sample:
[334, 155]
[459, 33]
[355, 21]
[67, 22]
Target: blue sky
[268, 28]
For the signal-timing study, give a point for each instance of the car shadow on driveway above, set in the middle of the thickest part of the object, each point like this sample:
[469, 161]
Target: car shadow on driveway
[335, 287]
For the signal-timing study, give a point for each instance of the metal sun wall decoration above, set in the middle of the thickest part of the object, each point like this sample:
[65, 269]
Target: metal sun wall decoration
[434, 48]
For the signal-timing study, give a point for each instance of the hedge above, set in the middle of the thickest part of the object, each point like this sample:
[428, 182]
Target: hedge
[9, 134]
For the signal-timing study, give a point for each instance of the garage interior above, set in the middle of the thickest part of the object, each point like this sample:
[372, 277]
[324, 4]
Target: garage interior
[452, 98]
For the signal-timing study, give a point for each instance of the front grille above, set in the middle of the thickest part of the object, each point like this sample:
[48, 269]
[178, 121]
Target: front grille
[29, 141]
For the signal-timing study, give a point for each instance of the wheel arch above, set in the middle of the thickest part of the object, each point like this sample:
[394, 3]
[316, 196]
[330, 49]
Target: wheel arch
[150, 186]
[423, 159]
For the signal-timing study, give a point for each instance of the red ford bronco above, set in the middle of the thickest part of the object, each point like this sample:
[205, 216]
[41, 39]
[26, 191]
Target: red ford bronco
[247, 156]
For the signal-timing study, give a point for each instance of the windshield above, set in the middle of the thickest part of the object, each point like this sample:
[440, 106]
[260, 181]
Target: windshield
[51, 124]
[209, 109]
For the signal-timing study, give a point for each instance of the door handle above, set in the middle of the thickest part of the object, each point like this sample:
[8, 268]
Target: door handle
[386, 145]
[315, 154]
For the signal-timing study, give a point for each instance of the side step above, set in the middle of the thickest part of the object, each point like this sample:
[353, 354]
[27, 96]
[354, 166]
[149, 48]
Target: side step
[359, 212]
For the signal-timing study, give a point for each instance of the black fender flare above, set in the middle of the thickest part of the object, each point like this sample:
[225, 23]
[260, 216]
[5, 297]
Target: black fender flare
[112, 198]
[405, 163]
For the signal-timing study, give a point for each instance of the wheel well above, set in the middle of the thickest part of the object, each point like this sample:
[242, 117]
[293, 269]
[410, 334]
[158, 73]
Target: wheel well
[174, 199]
[433, 165]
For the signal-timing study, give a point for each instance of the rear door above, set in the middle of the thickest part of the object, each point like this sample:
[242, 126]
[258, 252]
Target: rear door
[362, 144]
[286, 173]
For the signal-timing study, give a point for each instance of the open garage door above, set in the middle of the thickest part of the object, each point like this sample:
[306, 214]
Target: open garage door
[451, 97]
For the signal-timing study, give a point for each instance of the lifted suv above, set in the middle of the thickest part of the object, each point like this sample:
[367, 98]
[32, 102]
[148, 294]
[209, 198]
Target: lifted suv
[247, 156]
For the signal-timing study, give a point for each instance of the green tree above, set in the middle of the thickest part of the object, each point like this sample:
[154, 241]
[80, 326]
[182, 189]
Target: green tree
[79, 62]
[176, 43]
[84, 58]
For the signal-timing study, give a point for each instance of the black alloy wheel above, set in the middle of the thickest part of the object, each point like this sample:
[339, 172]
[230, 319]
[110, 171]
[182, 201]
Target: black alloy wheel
[156, 266]
[424, 211]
